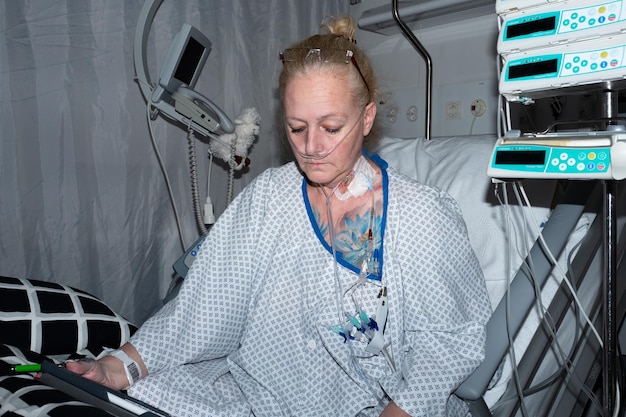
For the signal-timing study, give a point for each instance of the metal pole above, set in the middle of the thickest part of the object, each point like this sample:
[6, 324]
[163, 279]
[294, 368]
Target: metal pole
[609, 357]
[610, 308]
[426, 56]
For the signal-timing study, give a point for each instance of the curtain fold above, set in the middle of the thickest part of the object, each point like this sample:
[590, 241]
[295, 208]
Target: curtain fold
[83, 200]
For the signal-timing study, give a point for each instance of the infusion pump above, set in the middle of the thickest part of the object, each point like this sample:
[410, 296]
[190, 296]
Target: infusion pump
[578, 155]
[508, 6]
[538, 72]
[559, 23]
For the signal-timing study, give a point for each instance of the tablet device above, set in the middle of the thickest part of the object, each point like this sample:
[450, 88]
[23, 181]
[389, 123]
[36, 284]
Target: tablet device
[114, 402]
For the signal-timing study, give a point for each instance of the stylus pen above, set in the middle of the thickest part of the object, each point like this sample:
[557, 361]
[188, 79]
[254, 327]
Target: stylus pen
[19, 369]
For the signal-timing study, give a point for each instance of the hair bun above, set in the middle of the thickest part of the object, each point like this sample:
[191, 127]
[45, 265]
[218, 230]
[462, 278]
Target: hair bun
[341, 26]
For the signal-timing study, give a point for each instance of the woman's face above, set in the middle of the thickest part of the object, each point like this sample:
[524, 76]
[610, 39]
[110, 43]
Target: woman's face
[325, 125]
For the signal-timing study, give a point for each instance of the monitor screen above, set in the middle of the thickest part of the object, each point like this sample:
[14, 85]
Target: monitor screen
[533, 69]
[190, 62]
[184, 61]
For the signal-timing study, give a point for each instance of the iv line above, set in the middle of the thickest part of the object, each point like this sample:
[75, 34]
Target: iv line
[339, 295]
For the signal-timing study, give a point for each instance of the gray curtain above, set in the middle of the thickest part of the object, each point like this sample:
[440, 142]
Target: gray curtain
[83, 200]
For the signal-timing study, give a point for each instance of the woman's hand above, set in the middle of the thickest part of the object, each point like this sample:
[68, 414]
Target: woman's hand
[91, 369]
[392, 410]
[108, 370]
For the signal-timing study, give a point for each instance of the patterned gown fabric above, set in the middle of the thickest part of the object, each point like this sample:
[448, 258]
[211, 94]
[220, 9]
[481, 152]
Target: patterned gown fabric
[250, 331]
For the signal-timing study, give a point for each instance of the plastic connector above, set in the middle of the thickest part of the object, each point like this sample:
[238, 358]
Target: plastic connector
[209, 214]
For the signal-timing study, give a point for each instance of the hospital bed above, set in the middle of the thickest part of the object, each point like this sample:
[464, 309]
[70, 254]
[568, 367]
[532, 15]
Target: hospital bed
[440, 162]
[573, 229]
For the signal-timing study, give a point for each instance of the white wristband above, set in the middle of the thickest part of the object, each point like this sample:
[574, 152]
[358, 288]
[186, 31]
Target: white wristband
[132, 368]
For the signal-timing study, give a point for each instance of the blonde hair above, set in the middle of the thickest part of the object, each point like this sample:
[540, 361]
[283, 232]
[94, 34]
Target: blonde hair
[338, 39]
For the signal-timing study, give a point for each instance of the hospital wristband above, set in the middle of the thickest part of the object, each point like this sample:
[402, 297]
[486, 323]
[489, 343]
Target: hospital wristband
[132, 368]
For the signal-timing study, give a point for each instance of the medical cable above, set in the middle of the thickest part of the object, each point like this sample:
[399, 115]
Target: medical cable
[563, 274]
[547, 319]
[209, 212]
[510, 231]
[512, 356]
[167, 179]
[571, 372]
[547, 382]
[342, 314]
[231, 171]
[567, 364]
[565, 358]
[151, 114]
[191, 140]
[472, 125]
[375, 345]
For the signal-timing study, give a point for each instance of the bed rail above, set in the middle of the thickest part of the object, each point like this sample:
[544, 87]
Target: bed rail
[556, 233]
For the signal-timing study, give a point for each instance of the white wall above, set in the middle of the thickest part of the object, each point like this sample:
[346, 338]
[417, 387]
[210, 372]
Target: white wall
[464, 69]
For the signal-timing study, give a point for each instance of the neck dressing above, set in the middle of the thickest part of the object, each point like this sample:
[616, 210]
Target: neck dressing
[358, 182]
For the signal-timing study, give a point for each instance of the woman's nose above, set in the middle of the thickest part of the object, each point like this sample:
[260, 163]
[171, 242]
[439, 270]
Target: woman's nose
[312, 142]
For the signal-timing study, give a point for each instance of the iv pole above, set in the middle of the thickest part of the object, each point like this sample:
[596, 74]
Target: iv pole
[609, 358]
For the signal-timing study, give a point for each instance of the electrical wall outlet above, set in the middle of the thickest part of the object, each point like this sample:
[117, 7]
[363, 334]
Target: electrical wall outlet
[454, 109]
[478, 107]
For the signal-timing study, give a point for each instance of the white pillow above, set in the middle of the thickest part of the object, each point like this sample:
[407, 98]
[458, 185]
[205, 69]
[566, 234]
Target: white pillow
[458, 165]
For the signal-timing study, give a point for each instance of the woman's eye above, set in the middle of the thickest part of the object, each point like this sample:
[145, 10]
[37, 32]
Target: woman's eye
[296, 130]
[333, 130]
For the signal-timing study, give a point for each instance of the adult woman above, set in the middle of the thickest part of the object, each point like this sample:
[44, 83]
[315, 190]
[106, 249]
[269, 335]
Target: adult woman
[330, 287]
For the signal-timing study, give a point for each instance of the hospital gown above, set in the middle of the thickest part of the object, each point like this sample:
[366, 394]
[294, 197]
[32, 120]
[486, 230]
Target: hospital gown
[250, 333]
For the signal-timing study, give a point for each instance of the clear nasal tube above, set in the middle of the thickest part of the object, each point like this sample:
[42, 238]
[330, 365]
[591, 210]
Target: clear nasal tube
[319, 155]
[325, 153]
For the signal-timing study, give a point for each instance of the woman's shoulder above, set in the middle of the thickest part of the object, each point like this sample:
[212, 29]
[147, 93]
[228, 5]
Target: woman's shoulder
[409, 187]
[285, 176]
[282, 183]
[411, 196]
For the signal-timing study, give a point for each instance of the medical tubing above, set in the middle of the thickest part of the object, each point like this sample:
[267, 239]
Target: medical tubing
[564, 275]
[231, 172]
[335, 146]
[547, 321]
[317, 157]
[557, 230]
[193, 171]
[167, 178]
[338, 302]
[339, 299]
[209, 169]
[562, 307]
[510, 336]
[569, 365]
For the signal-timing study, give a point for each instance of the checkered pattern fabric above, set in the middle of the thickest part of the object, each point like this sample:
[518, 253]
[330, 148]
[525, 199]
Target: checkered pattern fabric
[54, 319]
[22, 395]
[46, 320]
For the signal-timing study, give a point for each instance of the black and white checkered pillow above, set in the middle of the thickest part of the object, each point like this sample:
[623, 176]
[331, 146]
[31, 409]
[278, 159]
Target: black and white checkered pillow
[24, 396]
[55, 319]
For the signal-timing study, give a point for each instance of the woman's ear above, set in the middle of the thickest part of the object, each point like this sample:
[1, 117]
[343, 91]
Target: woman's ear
[369, 117]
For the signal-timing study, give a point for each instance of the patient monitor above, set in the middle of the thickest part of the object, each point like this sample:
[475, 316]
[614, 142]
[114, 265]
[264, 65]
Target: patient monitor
[174, 95]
